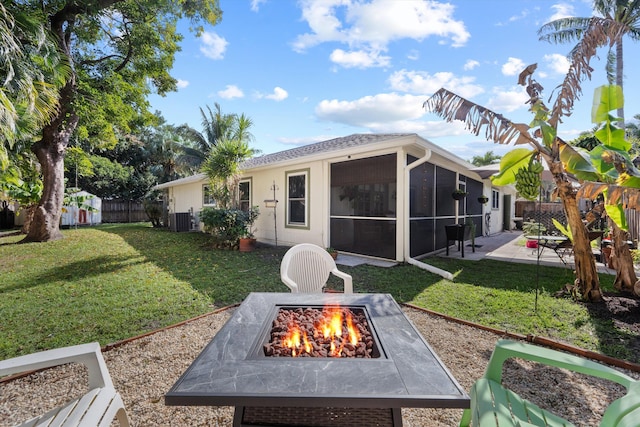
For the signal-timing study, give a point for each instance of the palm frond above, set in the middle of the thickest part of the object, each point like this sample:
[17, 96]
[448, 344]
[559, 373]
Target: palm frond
[497, 128]
[600, 32]
[616, 194]
[559, 31]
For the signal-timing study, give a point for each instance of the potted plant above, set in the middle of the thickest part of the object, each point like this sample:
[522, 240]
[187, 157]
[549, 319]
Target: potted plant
[459, 194]
[332, 252]
[247, 241]
[483, 199]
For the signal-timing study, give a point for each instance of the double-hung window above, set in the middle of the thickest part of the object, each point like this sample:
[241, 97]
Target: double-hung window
[495, 199]
[207, 196]
[297, 198]
[244, 194]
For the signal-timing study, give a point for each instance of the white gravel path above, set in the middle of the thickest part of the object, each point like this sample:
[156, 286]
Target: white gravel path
[144, 369]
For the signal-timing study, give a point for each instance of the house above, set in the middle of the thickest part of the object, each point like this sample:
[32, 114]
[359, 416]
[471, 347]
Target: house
[380, 195]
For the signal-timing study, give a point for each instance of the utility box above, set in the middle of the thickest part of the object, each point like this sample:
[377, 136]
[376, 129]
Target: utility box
[180, 221]
[7, 217]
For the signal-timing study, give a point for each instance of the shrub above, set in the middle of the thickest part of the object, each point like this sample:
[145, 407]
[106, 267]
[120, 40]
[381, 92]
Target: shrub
[228, 225]
[532, 228]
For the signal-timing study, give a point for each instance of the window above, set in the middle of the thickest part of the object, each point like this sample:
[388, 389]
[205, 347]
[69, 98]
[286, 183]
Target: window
[244, 195]
[207, 196]
[297, 206]
[495, 199]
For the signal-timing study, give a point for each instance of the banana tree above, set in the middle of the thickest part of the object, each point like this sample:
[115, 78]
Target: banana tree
[616, 175]
[544, 144]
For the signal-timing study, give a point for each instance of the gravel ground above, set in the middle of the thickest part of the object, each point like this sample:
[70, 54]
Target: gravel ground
[144, 369]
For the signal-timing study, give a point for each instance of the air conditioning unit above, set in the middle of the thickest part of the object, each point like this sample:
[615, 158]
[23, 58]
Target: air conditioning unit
[180, 221]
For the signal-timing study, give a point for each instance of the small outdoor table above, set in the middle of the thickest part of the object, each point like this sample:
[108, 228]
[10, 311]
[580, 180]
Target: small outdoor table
[555, 243]
[457, 232]
[341, 391]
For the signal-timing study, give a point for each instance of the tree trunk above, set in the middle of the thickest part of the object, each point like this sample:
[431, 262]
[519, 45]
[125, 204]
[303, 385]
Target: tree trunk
[50, 150]
[622, 261]
[620, 76]
[45, 225]
[28, 217]
[587, 279]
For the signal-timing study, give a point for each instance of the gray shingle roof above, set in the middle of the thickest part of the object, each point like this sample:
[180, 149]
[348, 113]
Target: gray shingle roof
[321, 147]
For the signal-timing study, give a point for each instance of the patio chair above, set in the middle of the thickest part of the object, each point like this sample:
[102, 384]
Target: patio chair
[492, 404]
[97, 407]
[306, 268]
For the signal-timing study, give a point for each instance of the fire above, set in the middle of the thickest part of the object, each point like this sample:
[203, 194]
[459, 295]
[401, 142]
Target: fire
[334, 324]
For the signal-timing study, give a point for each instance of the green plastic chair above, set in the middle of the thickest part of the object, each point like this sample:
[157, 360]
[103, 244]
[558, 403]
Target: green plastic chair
[494, 405]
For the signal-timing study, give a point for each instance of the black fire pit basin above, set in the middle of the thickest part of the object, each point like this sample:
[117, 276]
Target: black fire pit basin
[227, 374]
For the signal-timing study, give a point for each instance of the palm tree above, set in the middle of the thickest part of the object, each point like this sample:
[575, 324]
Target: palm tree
[30, 72]
[222, 167]
[488, 159]
[216, 126]
[617, 18]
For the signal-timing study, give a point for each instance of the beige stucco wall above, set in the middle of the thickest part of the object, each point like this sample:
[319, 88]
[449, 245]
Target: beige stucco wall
[262, 189]
[189, 195]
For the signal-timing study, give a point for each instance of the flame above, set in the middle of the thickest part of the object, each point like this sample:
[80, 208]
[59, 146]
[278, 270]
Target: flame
[332, 326]
[354, 334]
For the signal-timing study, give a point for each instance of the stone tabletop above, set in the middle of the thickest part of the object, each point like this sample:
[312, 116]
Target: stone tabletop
[408, 375]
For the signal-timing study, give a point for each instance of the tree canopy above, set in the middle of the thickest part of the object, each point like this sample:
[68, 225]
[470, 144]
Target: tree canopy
[487, 159]
[119, 51]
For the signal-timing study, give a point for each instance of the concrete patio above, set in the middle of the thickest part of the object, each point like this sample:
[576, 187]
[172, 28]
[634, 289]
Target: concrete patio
[504, 246]
[508, 246]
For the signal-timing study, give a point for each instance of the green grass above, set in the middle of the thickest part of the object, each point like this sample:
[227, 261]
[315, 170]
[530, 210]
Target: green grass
[112, 282]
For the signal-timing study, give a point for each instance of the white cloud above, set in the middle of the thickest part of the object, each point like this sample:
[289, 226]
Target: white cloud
[562, 10]
[558, 63]
[278, 94]
[413, 55]
[470, 64]
[421, 82]
[373, 112]
[373, 25]
[255, 4]
[231, 92]
[513, 67]
[181, 84]
[506, 101]
[359, 59]
[523, 14]
[213, 46]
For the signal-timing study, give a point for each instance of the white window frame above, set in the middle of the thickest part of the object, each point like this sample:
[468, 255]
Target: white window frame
[210, 201]
[305, 199]
[250, 182]
[495, 199]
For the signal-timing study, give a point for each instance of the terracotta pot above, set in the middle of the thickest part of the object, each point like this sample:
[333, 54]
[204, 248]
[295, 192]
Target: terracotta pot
[247, 244]
[334, 255]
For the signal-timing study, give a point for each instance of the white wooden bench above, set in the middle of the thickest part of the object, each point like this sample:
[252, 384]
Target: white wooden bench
[98, 407]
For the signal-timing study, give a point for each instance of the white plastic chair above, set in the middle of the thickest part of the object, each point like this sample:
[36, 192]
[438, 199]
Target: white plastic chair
[306, 268]
[98, 407]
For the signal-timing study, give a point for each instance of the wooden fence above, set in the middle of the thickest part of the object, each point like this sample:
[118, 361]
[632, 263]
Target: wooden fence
[123, 211]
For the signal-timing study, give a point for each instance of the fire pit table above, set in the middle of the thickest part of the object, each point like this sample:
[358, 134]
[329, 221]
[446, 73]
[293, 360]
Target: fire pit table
[400, 368]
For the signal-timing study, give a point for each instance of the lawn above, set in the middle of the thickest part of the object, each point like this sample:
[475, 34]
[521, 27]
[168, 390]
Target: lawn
[113, 282]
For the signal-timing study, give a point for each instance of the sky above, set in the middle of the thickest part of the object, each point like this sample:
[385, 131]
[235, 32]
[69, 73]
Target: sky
[311, 70]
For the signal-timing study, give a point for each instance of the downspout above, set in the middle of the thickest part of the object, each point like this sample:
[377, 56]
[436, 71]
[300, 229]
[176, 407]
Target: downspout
[407, 231]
